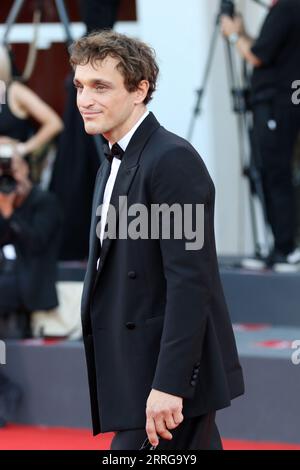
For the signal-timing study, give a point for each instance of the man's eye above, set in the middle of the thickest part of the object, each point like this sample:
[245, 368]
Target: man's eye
[78, 87]
[100, 88]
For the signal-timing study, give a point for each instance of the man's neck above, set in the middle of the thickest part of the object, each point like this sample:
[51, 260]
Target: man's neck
[120, 133]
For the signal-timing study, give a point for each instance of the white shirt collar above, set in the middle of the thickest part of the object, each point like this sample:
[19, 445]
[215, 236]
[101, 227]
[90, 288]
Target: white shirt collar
[127, 137]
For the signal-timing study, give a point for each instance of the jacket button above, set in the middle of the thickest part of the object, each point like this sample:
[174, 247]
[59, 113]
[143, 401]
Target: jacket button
[193, 383]
[132, 274]
[195, 375]
[130, 326]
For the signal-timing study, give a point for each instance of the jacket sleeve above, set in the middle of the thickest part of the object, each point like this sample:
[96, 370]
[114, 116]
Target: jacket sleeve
[180, 177]
[33, 236]
[274, 34]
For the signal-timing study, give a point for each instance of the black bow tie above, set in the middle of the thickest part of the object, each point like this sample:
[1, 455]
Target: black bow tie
[116, 151]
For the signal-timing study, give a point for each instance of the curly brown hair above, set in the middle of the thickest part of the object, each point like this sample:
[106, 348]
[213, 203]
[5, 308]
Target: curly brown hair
[136, 59]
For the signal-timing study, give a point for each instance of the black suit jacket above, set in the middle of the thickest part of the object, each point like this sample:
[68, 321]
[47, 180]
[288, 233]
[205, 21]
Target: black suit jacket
[34, 229]
[154, 315]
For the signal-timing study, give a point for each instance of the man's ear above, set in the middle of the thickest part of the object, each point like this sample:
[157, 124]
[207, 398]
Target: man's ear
[141, 91]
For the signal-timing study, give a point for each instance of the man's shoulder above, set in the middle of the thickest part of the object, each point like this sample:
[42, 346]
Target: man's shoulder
[165, 142]
[287, 7]
[169, 138]
[167, 147]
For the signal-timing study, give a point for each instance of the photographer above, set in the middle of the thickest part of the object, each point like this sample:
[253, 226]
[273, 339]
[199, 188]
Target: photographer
[29, 237]
[276, 121]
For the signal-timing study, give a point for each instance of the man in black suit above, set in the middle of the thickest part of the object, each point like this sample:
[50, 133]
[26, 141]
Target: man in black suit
[30, 223]
[159, 345]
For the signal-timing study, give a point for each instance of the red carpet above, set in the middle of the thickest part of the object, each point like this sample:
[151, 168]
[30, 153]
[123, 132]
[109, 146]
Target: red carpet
[230, 444]
[17, 437]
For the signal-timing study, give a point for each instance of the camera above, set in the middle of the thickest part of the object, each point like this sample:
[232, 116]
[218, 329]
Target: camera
[7, 182]
[227, 8]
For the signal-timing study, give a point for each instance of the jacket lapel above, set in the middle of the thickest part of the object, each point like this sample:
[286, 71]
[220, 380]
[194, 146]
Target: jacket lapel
[97, 200]
[125, 177]
[100, 183]
[122, 185]
[126, 174]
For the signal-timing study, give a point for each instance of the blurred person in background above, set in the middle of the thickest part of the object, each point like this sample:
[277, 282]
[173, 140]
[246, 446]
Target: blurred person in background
[275, 57]
[30, 222]
[22, 106]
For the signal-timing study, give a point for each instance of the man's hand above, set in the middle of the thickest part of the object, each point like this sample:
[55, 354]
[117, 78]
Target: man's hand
[7, 204]
[232, 25]
[164, 412]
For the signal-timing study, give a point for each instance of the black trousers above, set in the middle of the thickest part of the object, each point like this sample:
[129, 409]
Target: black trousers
[10, 395]
[274, 156]
[14, 318]
[199, 433]
[10, 298]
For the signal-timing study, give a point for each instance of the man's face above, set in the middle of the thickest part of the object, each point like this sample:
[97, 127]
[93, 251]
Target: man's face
[102, 99]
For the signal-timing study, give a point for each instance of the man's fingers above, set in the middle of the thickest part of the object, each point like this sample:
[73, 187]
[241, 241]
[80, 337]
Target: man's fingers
[170, 421]
[164, 411]
[151, 431]
[161, 428]
[158, 427]
[178, 417]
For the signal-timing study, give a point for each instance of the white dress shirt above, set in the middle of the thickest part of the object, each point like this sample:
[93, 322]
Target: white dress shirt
[115, 165]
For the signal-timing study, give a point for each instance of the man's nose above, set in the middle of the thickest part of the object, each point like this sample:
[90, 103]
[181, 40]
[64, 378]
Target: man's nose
[85, 98]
